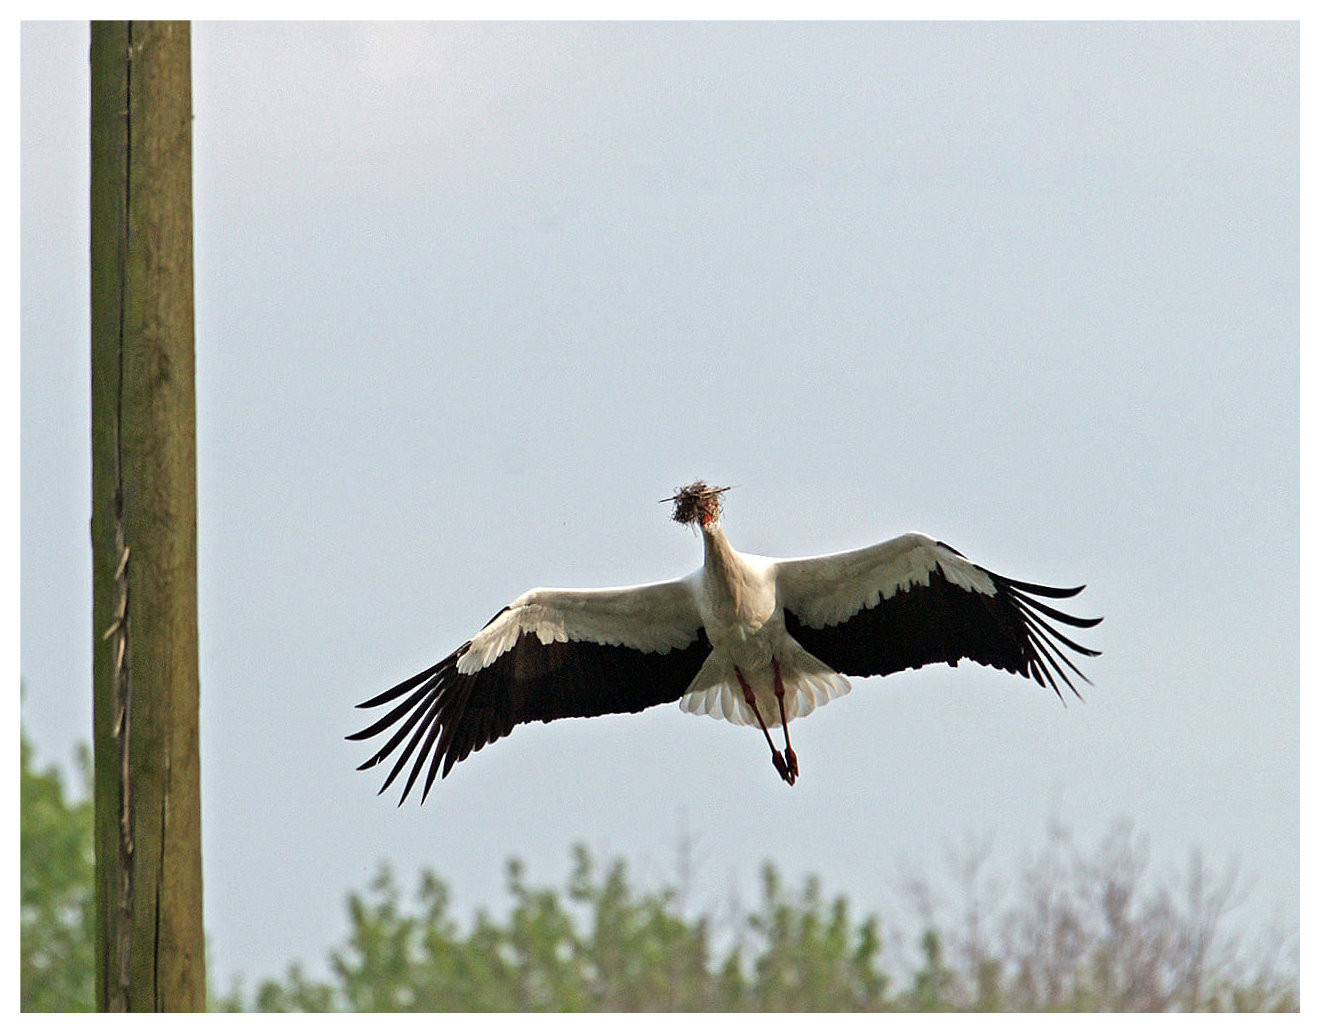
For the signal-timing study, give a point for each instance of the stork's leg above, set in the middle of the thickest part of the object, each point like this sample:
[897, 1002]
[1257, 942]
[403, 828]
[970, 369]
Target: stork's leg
[780, 765]
[789, 755]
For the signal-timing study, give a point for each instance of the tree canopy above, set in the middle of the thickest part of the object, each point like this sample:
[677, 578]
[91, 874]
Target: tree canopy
[1079, 932]
[1073, 930]
[55, 917]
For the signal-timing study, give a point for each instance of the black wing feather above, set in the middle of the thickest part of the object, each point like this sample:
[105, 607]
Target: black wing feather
[941, 622]
[445, 715]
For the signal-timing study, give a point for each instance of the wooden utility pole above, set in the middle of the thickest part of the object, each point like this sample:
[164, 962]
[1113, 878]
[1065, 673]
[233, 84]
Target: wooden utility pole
[150, 947]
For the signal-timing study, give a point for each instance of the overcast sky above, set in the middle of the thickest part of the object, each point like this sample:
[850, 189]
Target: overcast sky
[472, 298]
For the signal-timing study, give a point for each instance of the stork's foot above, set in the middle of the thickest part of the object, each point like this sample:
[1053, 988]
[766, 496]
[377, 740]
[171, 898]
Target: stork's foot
[787, 768]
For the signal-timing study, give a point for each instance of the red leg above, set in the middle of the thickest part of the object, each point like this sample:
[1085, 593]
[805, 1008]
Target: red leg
[789, 755]
[780, 765]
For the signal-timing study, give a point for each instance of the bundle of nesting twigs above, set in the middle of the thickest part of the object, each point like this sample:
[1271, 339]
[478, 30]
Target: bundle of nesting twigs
[696, 503]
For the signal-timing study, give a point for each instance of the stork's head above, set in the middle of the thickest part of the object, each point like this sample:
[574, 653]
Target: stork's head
[697, 504]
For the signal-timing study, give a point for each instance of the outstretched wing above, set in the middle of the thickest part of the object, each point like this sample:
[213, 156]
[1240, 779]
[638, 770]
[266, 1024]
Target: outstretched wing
[551, 653]
[914, 601]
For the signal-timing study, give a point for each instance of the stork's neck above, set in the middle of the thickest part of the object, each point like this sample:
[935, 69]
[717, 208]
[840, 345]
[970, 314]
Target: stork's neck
[720, 555]
[736, 598]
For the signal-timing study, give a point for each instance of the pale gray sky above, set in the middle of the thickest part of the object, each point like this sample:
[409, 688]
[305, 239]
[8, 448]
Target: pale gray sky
[472, 298]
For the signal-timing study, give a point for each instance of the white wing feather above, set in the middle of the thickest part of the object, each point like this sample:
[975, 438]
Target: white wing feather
[651, 618]
[826, 590]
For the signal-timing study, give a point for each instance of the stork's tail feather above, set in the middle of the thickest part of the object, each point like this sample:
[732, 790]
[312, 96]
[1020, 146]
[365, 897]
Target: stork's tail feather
[808, 684]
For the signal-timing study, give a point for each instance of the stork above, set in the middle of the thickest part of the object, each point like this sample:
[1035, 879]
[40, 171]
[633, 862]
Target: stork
[746, 638]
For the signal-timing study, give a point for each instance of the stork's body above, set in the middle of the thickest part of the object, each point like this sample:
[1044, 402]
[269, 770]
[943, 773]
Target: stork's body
[745, 638]
[744, 622]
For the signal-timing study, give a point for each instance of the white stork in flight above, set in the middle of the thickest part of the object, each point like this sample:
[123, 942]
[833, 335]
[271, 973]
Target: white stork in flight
[746, 638]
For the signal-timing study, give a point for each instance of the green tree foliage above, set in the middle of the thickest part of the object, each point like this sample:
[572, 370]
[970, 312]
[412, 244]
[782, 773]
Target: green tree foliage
[812, 956]
[55, 953]
[1081, 933]
[1074, 930]
[600, 946]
